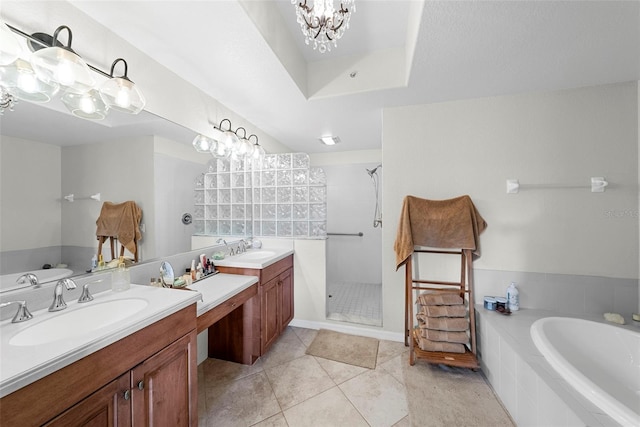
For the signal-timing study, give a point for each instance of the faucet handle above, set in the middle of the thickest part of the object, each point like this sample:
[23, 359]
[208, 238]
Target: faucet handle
[86, 295]
[23, 312]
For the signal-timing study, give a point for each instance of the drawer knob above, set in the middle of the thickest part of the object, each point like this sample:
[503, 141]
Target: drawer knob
[141, 385]
[126, 395]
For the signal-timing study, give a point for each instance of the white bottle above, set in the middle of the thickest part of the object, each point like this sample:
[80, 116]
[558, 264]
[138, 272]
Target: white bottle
[513, 300]
[120, 280]
[94, 262]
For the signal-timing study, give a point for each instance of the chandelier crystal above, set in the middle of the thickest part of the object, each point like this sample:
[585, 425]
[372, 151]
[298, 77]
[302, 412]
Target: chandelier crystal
[322, 24]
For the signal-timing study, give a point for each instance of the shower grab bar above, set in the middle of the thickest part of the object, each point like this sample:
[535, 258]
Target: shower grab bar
[359, 234]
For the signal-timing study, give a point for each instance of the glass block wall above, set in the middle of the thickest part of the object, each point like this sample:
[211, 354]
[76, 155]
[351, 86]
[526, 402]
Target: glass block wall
[279, 196]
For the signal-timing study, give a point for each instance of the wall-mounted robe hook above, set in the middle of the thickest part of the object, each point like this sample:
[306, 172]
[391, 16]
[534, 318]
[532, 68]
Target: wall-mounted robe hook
[598, 184]
[513, 186]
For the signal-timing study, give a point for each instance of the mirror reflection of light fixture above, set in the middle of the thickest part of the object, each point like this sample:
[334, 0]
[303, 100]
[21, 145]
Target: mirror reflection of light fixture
[122, 94]
[9, 45]
[243, 147]
[202, 144]
[20, 79]
[258, 151]
[7, 101]
[321, 24]
[61, 65]
[88, 105]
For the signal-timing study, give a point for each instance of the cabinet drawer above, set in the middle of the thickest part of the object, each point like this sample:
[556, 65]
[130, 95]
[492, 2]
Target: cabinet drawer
[215, 314]
[273, 270]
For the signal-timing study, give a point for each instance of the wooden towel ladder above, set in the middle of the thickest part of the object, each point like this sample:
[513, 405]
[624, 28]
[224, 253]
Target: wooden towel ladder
[464, 287]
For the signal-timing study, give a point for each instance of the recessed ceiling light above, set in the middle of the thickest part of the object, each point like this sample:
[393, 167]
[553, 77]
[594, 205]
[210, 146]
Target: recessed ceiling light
[329, 140]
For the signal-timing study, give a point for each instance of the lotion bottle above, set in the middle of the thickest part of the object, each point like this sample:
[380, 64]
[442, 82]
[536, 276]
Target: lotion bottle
[513, 298]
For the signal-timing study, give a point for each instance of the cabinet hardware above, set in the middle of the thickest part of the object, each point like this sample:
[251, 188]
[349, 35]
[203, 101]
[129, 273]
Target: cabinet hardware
[126, 394]
[141, 385]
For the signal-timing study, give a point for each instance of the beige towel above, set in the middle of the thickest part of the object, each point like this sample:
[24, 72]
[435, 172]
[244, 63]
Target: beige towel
[444, 310]
[122, 221]
[443, 323]
[453, 224]
[445, 336]
[440, 298]
[449, 347]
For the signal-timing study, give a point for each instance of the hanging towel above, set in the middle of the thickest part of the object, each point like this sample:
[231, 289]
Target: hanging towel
[454, 324]
[445, 336]
[448, 224]
[440, 298]
[444, 310]
[449, 347]
[122, 221]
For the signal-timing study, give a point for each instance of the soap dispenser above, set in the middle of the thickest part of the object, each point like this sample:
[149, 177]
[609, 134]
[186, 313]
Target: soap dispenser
[120, 280]
[513, 299]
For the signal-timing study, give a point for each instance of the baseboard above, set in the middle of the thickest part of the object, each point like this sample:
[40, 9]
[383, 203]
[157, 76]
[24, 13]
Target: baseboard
[349, 329]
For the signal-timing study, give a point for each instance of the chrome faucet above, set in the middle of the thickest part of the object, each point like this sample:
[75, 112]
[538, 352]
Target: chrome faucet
[28, 279]
[226, 245]
[86, 295]
[242, 247]
[23, 312]
[58, 302]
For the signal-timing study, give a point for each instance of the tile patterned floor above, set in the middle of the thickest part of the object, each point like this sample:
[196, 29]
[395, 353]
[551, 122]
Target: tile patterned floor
[286, 387]
[355, 302]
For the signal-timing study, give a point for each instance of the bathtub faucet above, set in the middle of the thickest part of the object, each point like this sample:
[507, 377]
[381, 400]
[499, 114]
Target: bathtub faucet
[28, 279]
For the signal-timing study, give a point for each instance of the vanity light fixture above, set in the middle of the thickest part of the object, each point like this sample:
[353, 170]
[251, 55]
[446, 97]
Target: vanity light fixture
[120, 93]
[229, 143]
[54, 67]
[60, 64]
[7, 101]
[329, 140]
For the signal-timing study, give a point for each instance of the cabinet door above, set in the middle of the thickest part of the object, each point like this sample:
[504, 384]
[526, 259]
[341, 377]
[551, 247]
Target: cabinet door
[164, 387]
[270, 318]
[286, 297]
[109, 406]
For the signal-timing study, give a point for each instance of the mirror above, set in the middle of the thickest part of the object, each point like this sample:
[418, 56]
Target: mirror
[47, 154]
[166, 274]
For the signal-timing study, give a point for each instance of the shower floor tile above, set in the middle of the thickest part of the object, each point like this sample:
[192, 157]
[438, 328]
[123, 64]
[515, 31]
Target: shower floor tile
[355, 302]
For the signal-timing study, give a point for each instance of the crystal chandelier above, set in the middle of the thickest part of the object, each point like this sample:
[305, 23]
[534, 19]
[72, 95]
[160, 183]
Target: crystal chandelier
[321, 23]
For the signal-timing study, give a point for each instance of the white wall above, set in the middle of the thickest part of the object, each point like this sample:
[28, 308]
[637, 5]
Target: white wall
[30, 194]
[473, 146]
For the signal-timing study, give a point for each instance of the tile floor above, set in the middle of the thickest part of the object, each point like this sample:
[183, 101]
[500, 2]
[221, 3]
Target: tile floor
[355, 302]
[286, 387]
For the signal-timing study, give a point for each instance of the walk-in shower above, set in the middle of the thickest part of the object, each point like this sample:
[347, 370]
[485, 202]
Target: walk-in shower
[354, 245]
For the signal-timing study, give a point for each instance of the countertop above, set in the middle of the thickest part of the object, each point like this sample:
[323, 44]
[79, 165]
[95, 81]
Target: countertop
[218, 288]
[23, 365]
[247, 259]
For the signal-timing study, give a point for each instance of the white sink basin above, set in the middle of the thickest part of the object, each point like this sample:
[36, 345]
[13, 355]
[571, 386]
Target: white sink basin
[260, 254]
[77, 322]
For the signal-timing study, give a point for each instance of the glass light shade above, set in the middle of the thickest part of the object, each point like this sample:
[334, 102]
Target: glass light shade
[61, 66]
[230, 140]
[244, 147]
[258, 152]
[10, 48]
[123, 95]
[202, 144]
[20, 79]
[220, 150]
[88, 105]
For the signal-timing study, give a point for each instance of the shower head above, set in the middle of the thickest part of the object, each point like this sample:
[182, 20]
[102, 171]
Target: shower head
[372, 171]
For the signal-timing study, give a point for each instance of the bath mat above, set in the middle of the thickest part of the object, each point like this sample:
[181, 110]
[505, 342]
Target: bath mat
[349, 349]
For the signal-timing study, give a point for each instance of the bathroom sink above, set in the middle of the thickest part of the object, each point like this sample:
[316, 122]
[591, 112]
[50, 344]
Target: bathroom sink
[259, 254]
[78, 321]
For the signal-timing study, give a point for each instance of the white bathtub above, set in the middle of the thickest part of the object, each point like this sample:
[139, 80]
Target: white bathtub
[599, 360]
[8, 281]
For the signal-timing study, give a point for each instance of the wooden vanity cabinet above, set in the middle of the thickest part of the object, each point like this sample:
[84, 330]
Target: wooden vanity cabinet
[146, 379]
[275, 290]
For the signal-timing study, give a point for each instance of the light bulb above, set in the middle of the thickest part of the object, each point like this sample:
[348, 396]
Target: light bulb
[27, 82]
[87, 105]
[64, 74]
[123, 99]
